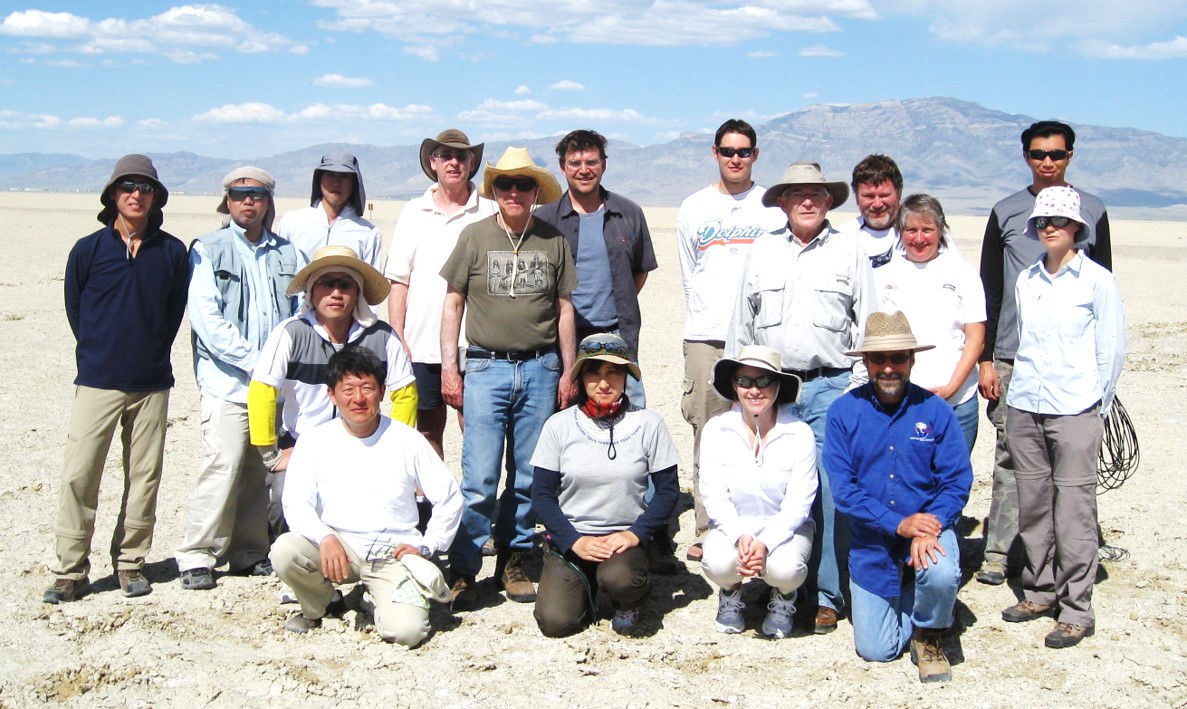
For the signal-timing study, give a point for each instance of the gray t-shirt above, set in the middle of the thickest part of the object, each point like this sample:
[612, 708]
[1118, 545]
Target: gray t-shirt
[599, 495]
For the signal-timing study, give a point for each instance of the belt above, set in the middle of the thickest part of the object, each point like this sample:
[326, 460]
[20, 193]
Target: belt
[584, 331]
[512, 356]
[808, 375]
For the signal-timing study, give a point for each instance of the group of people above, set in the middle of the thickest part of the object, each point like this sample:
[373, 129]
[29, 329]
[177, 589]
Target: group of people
[831, 382]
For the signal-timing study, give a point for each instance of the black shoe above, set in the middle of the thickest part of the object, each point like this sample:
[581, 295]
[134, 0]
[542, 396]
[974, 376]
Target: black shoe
[199, 579]
[260, 568]
[66, 590]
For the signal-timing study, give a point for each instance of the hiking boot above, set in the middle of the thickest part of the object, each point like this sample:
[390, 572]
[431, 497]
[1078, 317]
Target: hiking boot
[927, 652]
[300, 624]
[199, 579]
[66, 590]
[780, 610]
[729, 612]
[625, 621]
[992, 573]
[463, 592]
[1067, 635]
[488, 547]
[826, 620]
[661, 555]
[133, 583]
[1023, 611]
[514, 581]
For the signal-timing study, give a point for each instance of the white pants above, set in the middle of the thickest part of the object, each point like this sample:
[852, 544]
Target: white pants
[787, 564]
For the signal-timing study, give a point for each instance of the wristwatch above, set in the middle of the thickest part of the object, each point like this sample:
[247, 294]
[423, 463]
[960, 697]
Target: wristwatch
[423, 551]
[271, 456]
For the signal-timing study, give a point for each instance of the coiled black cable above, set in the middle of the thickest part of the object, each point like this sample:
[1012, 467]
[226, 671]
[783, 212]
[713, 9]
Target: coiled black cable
[1119, 452]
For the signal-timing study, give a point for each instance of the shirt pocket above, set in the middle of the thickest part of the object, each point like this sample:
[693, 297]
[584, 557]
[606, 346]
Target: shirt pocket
[766, 300]
[833, 297]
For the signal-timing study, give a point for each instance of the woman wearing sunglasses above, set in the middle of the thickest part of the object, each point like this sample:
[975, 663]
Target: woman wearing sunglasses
[1071, 345]
[758, 481]
[592, 464]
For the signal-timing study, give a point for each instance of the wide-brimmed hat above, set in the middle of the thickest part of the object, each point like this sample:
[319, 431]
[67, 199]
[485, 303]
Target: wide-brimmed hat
[1061, 201]
[340, 161]
[761, 357]
[518, 162]
[888, 332]
[452, 138]
[605, 347]
[251, 173]
[806, 173]
[133, 165]
[336, 257]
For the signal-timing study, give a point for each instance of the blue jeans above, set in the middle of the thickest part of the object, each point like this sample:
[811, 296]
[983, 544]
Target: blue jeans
[503, 402]
[966, 416]
[831, 543]
[882, 627]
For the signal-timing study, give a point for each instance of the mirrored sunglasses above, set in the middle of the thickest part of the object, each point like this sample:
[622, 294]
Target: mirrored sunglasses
[596, 347]
[239, 194]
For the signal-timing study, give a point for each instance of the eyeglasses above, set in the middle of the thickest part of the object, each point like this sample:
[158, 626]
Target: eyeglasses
[332, 283]
[1041, 155]
[448, 155]
[1057, 222]
[504, 183]
[762, 381]
[730, 152]
[239, 194]
[599, 347]
[578, 164]
[880, 358]
[130, 187]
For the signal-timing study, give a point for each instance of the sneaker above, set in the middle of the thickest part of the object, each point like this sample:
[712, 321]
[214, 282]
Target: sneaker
[133, 583]
[463, 593]
[927, 652]
[286, 596]
[515, 582]
[66, 590]
[729, 612]
[992, 573]
[624, 621]
[1067, 635]
[260, 568]
[780, 610]
[300, 624]
[199, 579]
[1023, 611]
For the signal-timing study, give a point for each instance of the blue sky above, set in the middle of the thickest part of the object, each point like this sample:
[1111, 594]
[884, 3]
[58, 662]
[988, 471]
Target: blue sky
[241, 80]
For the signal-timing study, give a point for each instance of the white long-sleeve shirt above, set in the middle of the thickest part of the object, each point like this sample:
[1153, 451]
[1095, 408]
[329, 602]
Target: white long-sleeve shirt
[310, 229]
[364, 489]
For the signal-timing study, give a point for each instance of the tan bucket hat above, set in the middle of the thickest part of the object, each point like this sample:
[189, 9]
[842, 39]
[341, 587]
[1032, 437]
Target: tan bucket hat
[761, 357]
[337, 257]
[806, 173]
[518, 162]
[888, 332]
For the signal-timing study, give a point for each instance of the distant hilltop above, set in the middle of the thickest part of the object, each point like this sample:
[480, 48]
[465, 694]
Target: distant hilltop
[965, 154]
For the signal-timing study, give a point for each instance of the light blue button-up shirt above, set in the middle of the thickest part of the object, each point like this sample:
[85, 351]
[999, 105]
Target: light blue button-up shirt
[1071, 339]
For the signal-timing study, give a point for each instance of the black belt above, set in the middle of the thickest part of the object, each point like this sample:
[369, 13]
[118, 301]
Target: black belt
[584, 331]
[512, 356]
[808, 375]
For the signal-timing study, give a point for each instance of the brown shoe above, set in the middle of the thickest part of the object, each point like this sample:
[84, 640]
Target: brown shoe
[515, 582]
[927, 652]
[133, 583]
[826, 620]
[66, 590]
[696, 552]
[1023, 611]
[463, 593]
[1067, 635]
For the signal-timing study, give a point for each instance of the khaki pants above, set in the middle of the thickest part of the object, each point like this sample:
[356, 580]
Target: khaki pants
[401, 613]
[228, 505]
[1001, 525]
[699, 404]
[142, 418]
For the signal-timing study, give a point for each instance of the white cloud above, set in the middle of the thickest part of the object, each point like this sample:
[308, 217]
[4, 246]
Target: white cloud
[339, 81]
[14, 120]
[594, 114]
[761, 55]
[819, 50]
[425, 52]
[567, 85]
[522, 90]
[37, 23]
[1172, 49]
[490, 117]
[89, 122]
[809, 95]
[299, 50]
[524, 105]
[254, 112]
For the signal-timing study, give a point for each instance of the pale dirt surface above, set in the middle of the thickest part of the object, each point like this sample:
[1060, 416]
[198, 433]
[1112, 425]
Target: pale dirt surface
[226, 647]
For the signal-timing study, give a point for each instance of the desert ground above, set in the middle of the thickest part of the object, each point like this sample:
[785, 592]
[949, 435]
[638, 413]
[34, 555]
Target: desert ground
[227, 647]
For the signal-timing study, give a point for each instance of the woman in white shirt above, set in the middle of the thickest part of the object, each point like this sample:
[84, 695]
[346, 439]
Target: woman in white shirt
[757, 482]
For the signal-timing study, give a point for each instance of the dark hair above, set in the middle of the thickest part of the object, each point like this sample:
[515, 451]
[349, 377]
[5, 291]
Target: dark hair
[581, 139]
[581, 397]
[1046, 129]
[876, 169]
[736, 125]
[923, 205]
[355, 360]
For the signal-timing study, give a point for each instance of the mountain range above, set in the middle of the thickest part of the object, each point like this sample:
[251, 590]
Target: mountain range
[965, 154]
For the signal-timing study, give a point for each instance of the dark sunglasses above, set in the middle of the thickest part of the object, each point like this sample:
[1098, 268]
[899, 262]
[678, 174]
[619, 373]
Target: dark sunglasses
[332, 283]
[238, 194]
[447, 155]
[880, 358]
[762, 381]
[130, 187]
[596, 347]
[504, 183]
[730, 152]
[1041, 155]
[1057, 222]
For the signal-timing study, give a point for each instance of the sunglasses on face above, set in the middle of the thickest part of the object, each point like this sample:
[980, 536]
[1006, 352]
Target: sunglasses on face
[730, 152]
[762, 381]
[448, 155]
[1041, 155]
[1057, 222]
[504, 183]
[881, 358]
[332, 283]
[130, 187]
[600, 348]
[239, 194]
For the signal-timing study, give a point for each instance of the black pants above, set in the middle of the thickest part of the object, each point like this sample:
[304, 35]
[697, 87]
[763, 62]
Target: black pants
[569, 585]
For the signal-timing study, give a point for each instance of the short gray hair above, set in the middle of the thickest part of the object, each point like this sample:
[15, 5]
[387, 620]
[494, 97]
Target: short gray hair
[923, 205]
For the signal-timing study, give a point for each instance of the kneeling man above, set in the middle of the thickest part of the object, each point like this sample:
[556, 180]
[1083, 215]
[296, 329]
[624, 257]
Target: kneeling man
[350, 502]
[900, 472]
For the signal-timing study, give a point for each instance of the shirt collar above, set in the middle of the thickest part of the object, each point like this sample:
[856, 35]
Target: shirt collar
[608, 199]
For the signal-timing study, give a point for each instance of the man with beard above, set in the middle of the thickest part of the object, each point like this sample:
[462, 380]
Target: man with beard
[878, 189]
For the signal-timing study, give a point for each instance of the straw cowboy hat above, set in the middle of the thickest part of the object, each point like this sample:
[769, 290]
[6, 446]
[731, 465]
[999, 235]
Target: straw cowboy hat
[452, 138]
[518, 162]
[328, 259]
[888, 332]
[806, 173]
[760, 357]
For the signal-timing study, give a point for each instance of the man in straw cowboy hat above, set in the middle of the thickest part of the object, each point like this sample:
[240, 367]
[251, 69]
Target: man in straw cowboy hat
[335, 212]
[806, 291]
[425, 234]
[511, 274]
[339, 291]
[900, 473]
[239, 282]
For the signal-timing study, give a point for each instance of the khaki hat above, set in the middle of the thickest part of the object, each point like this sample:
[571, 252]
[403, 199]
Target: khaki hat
[888, 332]
[251, 173]
[606, 347]
[518, 162]
[761, 357]
[452, 138]
[806, 173]
[372, 284]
